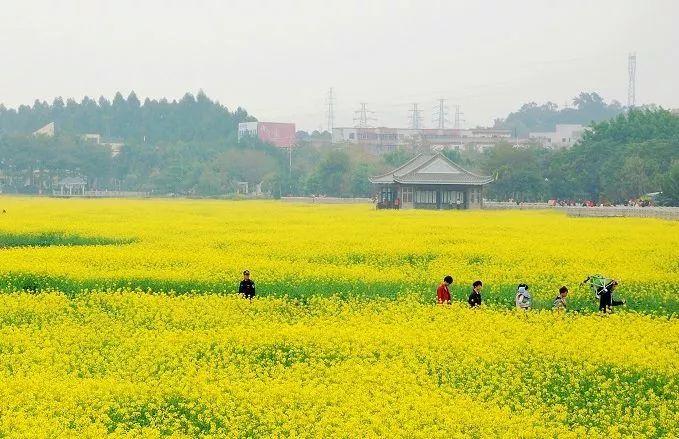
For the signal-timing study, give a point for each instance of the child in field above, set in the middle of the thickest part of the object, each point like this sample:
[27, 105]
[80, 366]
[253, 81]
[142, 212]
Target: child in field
[560, 301]
[475, 296]
[523, 298]
[442, 292]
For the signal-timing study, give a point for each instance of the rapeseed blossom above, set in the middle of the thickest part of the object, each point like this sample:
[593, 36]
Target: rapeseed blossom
[131, 363]
[299, 250]
[344, 338]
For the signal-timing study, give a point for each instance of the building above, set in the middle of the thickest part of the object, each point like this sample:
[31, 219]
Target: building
[113, 147]
[430, 181]
[278, 134]
[383, 139]
[91, 137]
[46, 131]
[564, 136]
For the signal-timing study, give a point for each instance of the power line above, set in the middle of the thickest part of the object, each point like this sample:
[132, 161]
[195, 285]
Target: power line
[415, 117]
[632, 70]
[441, 114]
[362, 120]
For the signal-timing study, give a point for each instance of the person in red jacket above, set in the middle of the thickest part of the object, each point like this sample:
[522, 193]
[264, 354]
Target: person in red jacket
[442, 292]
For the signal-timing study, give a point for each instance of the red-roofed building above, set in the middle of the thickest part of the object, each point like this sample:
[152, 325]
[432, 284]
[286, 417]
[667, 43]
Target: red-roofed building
[277, 133]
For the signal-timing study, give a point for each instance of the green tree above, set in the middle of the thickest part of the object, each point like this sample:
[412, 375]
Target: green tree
[360, 185]
[398, 157]
[333, 172]
[670, 186]
[517, 173]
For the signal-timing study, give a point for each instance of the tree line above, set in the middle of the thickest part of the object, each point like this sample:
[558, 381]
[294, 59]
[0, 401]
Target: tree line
[190, 147]
[585, 109]
[632, 154]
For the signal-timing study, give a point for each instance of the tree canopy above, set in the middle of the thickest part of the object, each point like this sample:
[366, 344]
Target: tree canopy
[531, 117]
[190, 147]
[192, 118]
[617, 160]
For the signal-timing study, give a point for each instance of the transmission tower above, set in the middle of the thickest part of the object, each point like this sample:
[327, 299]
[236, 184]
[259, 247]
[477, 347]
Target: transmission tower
[441, 114]
[458, 117]
[632, 69]
[331, 111]
[363, 116]
[415, 117]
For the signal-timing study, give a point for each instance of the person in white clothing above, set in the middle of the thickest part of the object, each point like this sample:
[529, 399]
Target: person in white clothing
[523, 298]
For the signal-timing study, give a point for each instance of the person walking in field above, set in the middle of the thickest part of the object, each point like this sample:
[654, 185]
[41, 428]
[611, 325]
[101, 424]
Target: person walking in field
[605, 293]
[443, 292]
[560, 301]
[475, 296]
[523, 299]
[247, 286]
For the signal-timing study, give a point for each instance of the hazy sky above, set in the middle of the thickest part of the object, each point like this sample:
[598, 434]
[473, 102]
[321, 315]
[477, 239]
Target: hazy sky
[278, 58]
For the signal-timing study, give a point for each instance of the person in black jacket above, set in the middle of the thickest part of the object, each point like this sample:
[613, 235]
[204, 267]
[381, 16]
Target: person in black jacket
[606, 302]
[247, 286]
[475, 296]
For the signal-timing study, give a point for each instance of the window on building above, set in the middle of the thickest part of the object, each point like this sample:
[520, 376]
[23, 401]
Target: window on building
[351, 136]
[452, 197]
[425, 197]
[447, 197]
[407, 195]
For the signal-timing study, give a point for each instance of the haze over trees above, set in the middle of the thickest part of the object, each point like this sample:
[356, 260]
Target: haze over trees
[192, 118]
[190, 147]
[586, 108]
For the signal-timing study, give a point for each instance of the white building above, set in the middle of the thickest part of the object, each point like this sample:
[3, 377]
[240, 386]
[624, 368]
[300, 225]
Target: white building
[383, 139]
[95, 138]
[247, 129]
[46, 131]
[564, 136]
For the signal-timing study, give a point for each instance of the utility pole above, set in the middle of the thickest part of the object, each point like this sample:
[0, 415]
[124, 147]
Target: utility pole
[363, 118]
[415, 117]
[331, 111]
[441, 114]
[458, 117]
[631, 87]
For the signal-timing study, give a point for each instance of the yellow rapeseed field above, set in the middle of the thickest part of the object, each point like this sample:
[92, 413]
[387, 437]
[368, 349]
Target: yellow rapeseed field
[119, 318]
[328, 249]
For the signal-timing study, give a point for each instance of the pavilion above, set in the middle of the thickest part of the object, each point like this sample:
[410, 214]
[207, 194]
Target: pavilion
[430, 181]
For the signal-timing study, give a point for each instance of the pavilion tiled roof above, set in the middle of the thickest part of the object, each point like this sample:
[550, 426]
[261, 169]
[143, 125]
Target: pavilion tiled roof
[430, 168]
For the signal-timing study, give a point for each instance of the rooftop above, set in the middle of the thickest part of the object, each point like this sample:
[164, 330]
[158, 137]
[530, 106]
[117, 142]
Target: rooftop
[431, 168]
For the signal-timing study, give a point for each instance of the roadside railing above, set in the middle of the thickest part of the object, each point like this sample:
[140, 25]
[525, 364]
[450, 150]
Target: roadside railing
[671, 213]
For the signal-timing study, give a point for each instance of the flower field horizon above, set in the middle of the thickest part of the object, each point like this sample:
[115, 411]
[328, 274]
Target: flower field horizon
[120, 318]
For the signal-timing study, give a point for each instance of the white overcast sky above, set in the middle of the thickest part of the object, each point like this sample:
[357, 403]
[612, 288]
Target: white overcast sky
[278, 58]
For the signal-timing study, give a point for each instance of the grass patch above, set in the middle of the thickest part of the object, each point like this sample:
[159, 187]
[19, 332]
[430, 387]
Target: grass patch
[497, 296]
[48, 239]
